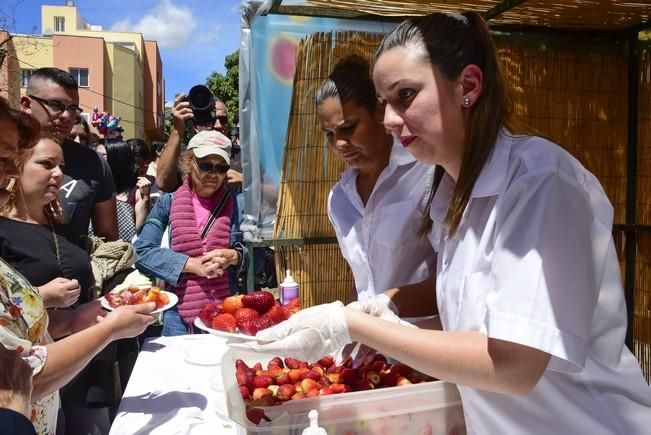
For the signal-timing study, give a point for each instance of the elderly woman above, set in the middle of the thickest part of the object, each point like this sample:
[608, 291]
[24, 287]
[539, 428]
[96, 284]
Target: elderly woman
[199, 215]
[25, 325]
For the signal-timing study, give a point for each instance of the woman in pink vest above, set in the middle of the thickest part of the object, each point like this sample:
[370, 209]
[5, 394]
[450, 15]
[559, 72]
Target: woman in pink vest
[199, 216]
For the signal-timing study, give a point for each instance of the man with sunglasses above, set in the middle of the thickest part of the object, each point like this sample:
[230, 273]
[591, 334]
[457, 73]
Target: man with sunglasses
[167, 174]
[88, 191]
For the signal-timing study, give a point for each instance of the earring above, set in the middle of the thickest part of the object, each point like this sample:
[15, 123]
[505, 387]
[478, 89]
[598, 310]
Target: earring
[466, 101]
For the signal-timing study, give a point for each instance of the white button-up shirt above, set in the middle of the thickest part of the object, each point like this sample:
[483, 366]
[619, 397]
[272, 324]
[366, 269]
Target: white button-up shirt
[380, 241]
[533, 262]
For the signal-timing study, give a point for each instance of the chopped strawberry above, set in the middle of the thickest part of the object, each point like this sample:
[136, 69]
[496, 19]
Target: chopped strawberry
[244, 314]
[276, 314]
[209, 312]
[248, 327]
[224, 322]
[261, 301]
[262, 322]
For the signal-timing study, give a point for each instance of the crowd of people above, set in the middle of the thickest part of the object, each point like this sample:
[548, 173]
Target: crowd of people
[499, 243]
[67, 194]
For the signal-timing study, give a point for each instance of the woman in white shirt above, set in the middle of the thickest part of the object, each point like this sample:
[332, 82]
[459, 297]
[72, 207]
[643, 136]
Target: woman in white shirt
[378, 204]
[528, 284]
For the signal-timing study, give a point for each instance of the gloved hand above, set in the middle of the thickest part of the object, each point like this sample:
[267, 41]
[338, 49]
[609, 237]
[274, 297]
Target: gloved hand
[308, 335]
[380, 306]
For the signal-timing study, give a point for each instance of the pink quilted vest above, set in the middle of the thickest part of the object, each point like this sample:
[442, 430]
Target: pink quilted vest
[195, 291]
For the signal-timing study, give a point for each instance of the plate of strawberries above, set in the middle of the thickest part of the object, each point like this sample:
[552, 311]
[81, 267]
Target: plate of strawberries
[240, 317]
[134, 295]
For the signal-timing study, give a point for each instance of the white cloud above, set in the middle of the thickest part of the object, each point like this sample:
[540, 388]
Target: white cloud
[170, 25]
[208, 37]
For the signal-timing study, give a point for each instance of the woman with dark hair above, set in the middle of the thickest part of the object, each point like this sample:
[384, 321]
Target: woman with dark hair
[125, 169]
[379, 201]
[26, 326]
[528, 284]
[141, 153]
[81, 132]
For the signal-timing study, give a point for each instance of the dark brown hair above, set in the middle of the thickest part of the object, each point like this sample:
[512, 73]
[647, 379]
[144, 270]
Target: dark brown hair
[28, 127]
[450, 42]
[350, 80]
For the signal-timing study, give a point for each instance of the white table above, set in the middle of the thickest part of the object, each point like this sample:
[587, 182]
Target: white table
[168, 395]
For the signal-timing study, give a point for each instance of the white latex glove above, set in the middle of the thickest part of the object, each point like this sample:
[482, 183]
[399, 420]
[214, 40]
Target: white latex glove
[308, 335]
[380, 306]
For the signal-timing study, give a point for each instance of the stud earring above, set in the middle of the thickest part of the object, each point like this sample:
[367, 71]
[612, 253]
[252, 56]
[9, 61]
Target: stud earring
[466, 101]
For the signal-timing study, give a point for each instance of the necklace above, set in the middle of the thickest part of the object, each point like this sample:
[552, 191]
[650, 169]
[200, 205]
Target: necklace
[57, 249]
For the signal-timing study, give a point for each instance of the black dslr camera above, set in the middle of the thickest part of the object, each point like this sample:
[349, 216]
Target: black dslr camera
[202, 103]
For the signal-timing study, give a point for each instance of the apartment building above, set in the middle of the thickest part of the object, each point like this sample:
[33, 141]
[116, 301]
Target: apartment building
[117, 72]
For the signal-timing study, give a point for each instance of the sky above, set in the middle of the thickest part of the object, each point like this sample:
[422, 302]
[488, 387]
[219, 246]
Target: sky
[194, 36]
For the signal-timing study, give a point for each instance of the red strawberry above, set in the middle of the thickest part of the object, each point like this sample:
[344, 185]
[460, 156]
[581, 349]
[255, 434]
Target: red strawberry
[224, 322]
[244, 314]
[248, 327]
[261, 301]
[276, 314]
[208, 312]
[262, 322]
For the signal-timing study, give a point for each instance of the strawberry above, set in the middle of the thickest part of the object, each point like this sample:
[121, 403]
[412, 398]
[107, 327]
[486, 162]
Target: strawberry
[232, 303]
[276, 314]
[244, 314]
[262, 322]
[248, 327]
[224, 322]
[261, 301]
[208, 312]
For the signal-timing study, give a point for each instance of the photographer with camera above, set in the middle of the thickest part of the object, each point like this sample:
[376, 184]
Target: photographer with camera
[197, 111]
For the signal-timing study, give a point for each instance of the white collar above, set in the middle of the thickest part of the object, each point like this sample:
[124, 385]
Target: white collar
[490, 181]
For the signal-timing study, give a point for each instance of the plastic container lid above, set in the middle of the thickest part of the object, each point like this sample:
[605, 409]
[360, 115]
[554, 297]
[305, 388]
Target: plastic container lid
[314, 428]
[289, 279]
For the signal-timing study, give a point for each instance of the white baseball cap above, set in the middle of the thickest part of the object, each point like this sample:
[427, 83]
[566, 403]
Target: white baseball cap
[210, 142]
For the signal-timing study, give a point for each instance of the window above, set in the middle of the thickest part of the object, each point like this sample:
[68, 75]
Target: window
[81, 75]
[26, 74]
[159, 88]
[159, 121]
[59, 24]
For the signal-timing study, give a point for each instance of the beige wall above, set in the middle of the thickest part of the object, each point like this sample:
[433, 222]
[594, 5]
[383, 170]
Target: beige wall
[49, 12]
[83, 52]
[154, 101]
[127, 90]
[33, 52]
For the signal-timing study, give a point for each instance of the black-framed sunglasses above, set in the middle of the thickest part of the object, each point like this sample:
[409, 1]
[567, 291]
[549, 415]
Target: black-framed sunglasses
[57, 107]
[223, 119]
[220, 168]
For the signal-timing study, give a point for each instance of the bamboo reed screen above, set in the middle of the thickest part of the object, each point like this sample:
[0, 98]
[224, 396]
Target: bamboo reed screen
[642, 319]
[310, 170]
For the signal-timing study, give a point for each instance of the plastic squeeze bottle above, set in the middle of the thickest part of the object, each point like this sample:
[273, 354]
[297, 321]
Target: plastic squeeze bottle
[288, 289]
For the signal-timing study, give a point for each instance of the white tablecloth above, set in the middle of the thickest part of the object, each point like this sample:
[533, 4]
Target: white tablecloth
[168, 395]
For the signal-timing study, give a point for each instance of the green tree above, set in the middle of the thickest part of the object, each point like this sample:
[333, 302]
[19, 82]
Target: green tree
[226, 87]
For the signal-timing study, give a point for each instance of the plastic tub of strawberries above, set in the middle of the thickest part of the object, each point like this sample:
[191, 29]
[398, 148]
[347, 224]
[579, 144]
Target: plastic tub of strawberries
[351, 401]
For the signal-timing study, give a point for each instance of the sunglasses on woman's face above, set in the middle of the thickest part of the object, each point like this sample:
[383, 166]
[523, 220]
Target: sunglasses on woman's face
[220, 168]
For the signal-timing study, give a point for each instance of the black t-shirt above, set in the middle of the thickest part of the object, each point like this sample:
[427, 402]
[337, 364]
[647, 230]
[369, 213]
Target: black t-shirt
[30, 249]
[87, 181]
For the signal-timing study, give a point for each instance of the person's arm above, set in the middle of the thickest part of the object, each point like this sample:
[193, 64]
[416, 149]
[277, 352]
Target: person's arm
[153, 260]
[143, 202]
[68, 356]
[465, 358]
[15, 381]
[66, 322]
[415, 300]
[167, 171]
[60, 292]
[105, 220]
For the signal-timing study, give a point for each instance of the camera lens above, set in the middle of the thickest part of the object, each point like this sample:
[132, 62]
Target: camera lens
[201, 98]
